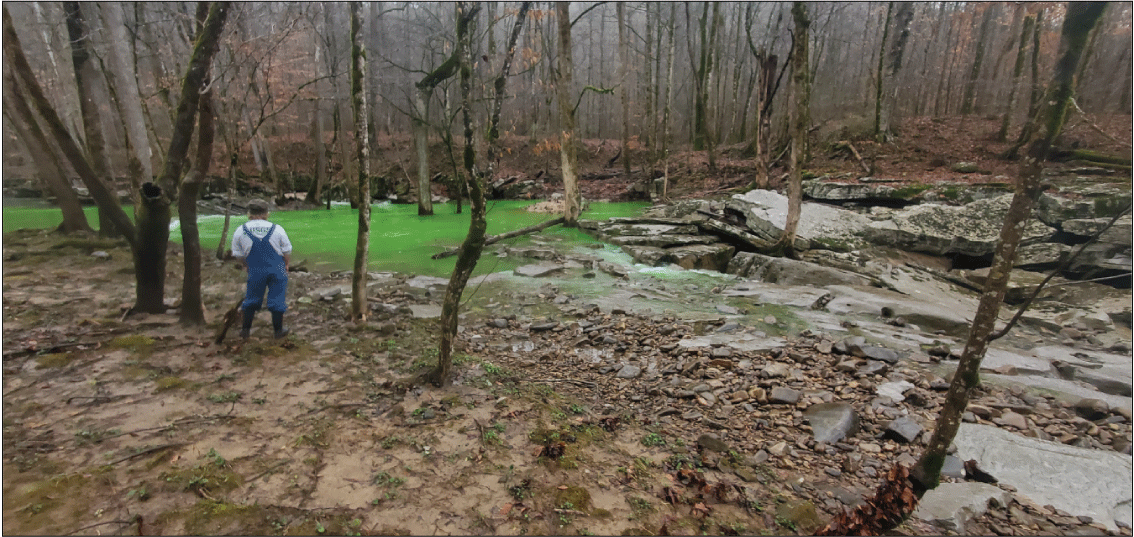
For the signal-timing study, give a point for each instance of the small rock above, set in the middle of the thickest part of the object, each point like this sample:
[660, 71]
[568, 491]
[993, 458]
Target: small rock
[629, 372]
[498, 323]
[720, 352]
[543, 327]
[100, 255]
[776, 369]
[784, 395]
[1092, 409]
[873, 367]
[712, 443]
[1012, 419]
[867, 447]
[879, 353]
[903, 429]
[778, 449]
[894, 390]
[760, 457]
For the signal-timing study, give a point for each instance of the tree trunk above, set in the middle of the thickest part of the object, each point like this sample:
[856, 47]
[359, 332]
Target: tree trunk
[800, 103]
[420, 142]
[85, 77]
[623, 84]
[104, 197]
[192, 311]
[710, 102]
[1017, 71]
[668, 99]
[474, 240]
[154, 212]
[568, 156]
[122, 71]
[48, 166]
[422, 97]
[967, 102]
[358, 305]
[895, 50]
[878, 81]
[1033, 98]
[318, 126]
[926, 473]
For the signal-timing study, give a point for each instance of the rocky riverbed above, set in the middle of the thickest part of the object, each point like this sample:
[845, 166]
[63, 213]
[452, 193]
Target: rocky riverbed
[765, 401]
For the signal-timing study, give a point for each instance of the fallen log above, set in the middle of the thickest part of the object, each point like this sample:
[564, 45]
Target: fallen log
[497, 238]
[850, 146]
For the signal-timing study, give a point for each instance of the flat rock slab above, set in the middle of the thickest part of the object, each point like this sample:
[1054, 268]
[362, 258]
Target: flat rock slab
[425, 282]
[425, 311]
[538, 270]
[952, 505]
[931, 311]
[1080, 481]
[739, 342]
[1072, 390]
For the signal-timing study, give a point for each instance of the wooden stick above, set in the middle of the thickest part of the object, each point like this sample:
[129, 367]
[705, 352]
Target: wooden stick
[230, 318]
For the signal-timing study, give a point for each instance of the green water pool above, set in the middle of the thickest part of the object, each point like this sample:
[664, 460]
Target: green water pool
[400, 240]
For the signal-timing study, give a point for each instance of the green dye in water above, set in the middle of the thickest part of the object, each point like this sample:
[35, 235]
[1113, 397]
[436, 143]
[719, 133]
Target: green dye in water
[400, 240]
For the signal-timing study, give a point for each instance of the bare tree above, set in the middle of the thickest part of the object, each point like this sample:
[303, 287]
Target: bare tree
[889, 65]
[568, 144]
[800, 93]
[968, 105]
[624, 83]
[892, 504]
[16, 60]
[358, 304]
[125, 85]
[85, 78]
[192, 312]
[1017, 71]
[49, 167]
[474, 240]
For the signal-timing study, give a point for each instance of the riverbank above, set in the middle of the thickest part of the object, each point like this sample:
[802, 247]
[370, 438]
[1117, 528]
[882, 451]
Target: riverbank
[584, 401]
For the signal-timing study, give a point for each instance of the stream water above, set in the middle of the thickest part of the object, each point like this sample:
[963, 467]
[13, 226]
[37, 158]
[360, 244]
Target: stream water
[400, 240]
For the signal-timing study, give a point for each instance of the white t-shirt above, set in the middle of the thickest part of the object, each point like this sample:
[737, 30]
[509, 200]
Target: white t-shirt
[242, 244]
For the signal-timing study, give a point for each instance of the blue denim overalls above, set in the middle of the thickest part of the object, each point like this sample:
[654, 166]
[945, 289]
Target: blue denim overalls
[265, 270]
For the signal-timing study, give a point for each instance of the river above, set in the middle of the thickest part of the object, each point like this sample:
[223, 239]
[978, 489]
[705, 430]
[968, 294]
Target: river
[400, 240]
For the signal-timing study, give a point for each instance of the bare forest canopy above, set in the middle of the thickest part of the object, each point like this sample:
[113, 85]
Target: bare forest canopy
[282, 72]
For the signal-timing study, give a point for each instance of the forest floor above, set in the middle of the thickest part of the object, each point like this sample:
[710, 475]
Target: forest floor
[137, 425]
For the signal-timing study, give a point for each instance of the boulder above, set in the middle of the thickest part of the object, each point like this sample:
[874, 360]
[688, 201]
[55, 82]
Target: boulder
[1081, 199]
[970, 230]
[1111, 252]
[765, 213]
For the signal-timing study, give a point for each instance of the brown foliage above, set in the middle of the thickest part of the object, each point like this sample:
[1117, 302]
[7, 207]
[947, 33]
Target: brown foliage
[892, 503]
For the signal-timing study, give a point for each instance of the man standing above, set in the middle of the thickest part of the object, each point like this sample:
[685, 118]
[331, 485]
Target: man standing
[265, 252]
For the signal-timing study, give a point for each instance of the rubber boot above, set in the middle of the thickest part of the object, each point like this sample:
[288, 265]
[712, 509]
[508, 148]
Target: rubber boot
[246, 329]
[277, 324]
